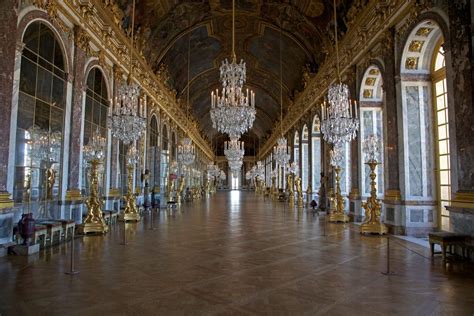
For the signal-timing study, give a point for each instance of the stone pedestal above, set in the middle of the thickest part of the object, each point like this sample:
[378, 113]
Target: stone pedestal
[24, 250]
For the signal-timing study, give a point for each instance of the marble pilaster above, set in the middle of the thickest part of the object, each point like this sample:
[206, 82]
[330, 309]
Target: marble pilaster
[8, 36]
[79, 87]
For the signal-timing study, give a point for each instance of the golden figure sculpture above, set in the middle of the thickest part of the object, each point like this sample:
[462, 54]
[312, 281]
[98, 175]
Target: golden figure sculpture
[180, 189]
[130, 213]
[27, 188]
[50, 180]
[170, 189]
[337, 206]
[299, 190]
[273, 189]
[372, 207]
[291, 192]
[94, 222]
[309, 193]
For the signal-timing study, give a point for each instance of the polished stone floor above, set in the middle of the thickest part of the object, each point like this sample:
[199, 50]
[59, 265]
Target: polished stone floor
[235, 254]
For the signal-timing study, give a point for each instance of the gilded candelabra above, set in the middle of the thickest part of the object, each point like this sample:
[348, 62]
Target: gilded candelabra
[372, 207]
[299, 190]
[180, 189]
[337, 213]
[291, 192]
[94, 222]
[130, 213]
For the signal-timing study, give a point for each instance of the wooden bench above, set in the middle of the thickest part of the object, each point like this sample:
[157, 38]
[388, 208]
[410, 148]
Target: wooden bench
[110, 216]
[68, 228]
[446, 240]
[40, 236]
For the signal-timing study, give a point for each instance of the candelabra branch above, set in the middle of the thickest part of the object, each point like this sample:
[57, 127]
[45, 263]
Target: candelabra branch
[373, 207]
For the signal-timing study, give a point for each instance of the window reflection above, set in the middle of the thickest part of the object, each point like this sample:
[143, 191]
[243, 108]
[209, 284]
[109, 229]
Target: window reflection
[41, 103]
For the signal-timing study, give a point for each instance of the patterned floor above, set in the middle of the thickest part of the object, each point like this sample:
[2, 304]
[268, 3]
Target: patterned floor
[235, 254]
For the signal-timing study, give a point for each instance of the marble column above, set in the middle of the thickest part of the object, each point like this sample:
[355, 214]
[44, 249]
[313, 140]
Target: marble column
[354, 193]
[460, 83]
[79, 87]
[392, 198]
[8, 37]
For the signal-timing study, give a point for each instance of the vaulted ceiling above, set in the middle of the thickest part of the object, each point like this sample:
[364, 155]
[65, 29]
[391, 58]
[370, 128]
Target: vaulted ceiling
[166, 27]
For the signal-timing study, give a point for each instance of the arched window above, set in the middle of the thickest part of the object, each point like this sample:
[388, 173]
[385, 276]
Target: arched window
[123, 149]
[296, 151]
[440, 99]
[164, 172]
[95, 115]
[316, 153]
[420, 89]
[40, 124]
[371, 123]
[154, 152]
[305, 157]
[174, 145]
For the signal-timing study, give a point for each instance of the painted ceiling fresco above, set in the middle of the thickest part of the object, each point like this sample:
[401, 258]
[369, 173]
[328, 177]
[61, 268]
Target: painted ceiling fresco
[166, 27]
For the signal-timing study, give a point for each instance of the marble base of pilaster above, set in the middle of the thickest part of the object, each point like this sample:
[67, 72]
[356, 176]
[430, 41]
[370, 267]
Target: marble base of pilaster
[25, 250]
[356, 213]
[462, 220]
[410, 220]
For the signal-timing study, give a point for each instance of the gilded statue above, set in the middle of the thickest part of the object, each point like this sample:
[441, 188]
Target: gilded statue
[180, 189]
[291, 192]
[50, 180]
[27, 188]
[299, 190]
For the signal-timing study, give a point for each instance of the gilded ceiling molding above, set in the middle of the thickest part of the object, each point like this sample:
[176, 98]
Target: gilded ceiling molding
[369, 23]
[104, 31]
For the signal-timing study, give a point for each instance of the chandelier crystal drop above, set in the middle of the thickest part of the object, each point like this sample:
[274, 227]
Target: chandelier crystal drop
[186, 152]
[339, 121]
[233, 110]
[336, 155]
[234, 149]
[281, 152]
[235, 165]
[128, 120]
[95, 148]
[371, 148]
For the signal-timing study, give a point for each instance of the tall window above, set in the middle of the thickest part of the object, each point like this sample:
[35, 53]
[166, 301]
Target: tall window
[443, 159]
[296, 151]
[123, 148]
[95, 114]
[41, 104]
[304, 153]
[154, 152]
[164, 158]
[371, 96]
[316, 153]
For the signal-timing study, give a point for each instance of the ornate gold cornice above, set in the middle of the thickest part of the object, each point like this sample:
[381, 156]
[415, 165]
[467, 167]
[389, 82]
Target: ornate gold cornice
[367, 27]
[104, 31]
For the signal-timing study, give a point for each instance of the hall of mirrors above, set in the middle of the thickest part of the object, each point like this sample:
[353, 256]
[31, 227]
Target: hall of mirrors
[340, 119]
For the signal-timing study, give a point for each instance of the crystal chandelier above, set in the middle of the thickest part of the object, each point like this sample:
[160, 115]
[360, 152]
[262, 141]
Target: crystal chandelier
[336, 155]
[281, 150]
[260, 171]
[294, 168]
[222, 175]
[338, 122]
[186, 152]
[233, 111]
[95, 148]
[128, 118]
[235, 165]
[234, 149]
[45, 145]
[371, 148]
[213, 171]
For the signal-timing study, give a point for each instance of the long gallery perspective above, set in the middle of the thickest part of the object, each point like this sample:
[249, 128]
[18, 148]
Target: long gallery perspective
[236, 157]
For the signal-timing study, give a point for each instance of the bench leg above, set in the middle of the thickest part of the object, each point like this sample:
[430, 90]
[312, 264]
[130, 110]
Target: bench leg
[432, 248]
[443, 249]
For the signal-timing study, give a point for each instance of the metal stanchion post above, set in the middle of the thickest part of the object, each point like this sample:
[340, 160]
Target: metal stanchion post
[71, 267]
[124, 242]
[388, 272]
[152, 210]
